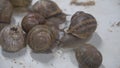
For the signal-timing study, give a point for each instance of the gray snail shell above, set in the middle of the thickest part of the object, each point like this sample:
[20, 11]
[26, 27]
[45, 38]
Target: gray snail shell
[20, 3]
[46, 8]
[12, 38]
[82, 25]
[31, 20]
[6, 11]
[41, 38]
[88, 56]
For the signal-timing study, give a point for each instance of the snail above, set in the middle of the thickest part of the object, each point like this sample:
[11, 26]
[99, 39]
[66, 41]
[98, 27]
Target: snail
[46, 8]
[88, 56]
[41, 38]
[5, 16]
[82, 25]
[31, 20]
[12, 38]
[20, 3]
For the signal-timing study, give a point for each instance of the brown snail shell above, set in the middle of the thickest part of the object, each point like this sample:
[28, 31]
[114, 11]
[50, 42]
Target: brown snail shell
[82, 25]
[41, 38]
[6, 10]
[12, 38]
[88, 56]
[31, 20]
[21, 3]
[46, 8]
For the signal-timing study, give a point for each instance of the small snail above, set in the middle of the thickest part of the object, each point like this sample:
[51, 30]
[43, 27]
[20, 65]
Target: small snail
[88, 56]
[41, 38]
[6, 10]
[82, 25]
[31, 20]
[46, 8]
[21, 3]
[12, 38]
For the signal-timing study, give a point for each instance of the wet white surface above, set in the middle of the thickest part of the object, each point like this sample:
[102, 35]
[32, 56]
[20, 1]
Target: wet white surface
[106, 39]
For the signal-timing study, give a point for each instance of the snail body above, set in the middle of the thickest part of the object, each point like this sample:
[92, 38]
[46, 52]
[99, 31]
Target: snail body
[88, 56]
[31, 20]
[12, 38]
[5, 16]
[82, 25]
[21, 3]
[41, 38]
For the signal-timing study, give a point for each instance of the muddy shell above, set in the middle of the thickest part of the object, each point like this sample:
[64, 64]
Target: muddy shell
[47, 8]
[88, 56]
[31, 20]
[20, 3]
[5, 6]
[41, 38]
[83, 25]
[12, 38]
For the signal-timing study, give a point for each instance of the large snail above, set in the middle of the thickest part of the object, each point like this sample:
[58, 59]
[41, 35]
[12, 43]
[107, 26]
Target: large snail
[41, 38]
[21, 3]
[6, 10]
[12, 38]
[31, 20]
[82, 25]
[47, 8]
[88, 56]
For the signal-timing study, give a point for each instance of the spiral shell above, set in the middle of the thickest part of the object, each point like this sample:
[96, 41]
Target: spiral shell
[41, 38]
[47, 8]
[21, 3]
[6, 10]
[31, 20]
[88, 56]
[12, 38]
[82, 25]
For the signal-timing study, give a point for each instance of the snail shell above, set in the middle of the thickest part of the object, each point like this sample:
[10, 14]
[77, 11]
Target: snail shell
[82, 25]
[88, 56]
[41, 38]
[46, 8]
[5, 6]
[31, 20]
[20, 3]
[12, 38]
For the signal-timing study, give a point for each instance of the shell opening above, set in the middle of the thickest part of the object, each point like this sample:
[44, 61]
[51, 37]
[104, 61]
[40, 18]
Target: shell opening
[14, 29]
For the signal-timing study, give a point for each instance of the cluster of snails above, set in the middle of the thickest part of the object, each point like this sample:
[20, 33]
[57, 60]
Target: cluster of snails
[40, 30]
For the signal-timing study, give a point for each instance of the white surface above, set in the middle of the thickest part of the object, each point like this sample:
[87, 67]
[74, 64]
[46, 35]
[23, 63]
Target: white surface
[107, 12]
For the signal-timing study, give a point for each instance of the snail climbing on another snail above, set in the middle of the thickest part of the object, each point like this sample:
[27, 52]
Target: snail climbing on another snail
[88, 56]
[82, 25]
[51, 11]
[12, 38]
[41, 38]
[32, 19]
